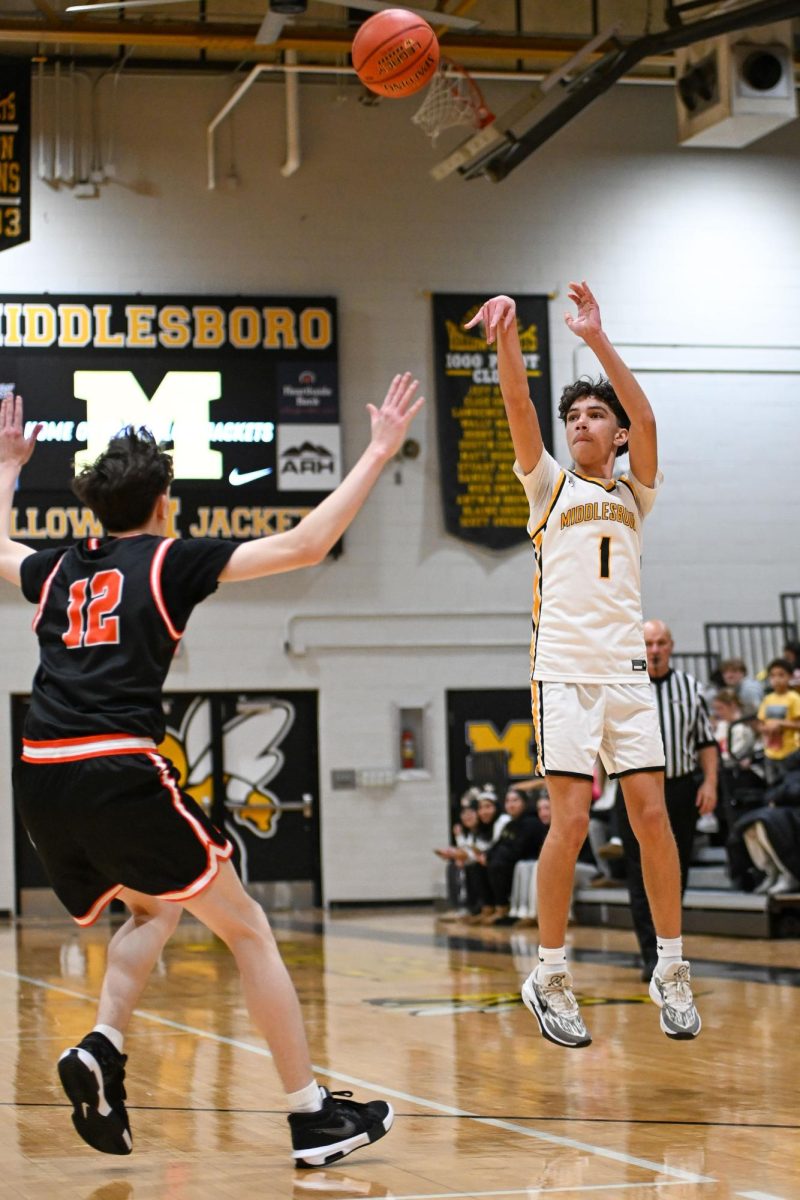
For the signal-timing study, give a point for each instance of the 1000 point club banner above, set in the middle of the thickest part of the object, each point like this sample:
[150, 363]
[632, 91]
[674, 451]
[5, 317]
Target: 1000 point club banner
[243, 390]
[483, 501]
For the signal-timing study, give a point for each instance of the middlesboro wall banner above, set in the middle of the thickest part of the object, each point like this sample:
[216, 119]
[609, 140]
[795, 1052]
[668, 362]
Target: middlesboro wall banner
[243, 390]
[483, 501]
[15, 153]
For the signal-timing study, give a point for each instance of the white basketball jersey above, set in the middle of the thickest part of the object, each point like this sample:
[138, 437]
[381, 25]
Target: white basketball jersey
[587, 605]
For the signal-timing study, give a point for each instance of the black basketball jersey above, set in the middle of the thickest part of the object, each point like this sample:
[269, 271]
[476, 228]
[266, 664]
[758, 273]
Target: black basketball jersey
[110, 615]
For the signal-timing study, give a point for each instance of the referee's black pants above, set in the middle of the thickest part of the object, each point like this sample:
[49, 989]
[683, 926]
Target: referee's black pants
[681, 796]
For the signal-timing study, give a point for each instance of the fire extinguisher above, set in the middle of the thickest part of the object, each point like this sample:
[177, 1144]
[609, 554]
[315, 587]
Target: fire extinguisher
[408, 750]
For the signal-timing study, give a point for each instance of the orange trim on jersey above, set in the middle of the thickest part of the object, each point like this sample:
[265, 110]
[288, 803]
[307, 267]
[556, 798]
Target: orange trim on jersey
[44, 593]
[216, 854]
[155, 588]
[94, 912]
[551, 503]
[607, 485]
[62, 750]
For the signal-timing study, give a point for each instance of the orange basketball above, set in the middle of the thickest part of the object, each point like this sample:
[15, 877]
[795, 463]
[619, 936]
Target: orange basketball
[395, 53]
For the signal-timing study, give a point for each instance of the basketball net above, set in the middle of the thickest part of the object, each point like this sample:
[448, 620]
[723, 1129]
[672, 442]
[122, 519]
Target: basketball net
[451, 98]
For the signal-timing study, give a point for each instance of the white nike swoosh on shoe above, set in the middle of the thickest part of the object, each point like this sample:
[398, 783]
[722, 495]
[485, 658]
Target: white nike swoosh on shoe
[236, 477]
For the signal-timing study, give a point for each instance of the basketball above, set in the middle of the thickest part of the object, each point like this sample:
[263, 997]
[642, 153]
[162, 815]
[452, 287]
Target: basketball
[395, 53]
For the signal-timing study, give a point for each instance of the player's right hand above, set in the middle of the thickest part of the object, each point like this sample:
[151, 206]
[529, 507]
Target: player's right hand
[392, 419]
[15, 448]
[498, 313]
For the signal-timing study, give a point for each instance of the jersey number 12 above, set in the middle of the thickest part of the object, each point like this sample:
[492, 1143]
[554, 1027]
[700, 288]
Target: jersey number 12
[94, 624]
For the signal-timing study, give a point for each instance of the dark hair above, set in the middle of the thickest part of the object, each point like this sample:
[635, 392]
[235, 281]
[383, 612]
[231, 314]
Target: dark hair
[601, 389]
[733, 664]
[122, 485]
[782, 664]
[793, 648]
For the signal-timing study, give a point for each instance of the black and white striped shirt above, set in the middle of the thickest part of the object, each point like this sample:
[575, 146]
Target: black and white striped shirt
[683, 717]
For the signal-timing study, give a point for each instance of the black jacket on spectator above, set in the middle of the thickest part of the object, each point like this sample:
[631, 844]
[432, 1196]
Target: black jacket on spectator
[519, 839]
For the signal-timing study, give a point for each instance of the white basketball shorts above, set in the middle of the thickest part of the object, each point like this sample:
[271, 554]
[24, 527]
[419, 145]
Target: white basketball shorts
[574, 722]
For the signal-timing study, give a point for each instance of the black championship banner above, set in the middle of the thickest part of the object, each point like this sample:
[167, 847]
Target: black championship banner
[15, 152]
[243, 390]
[483, 502]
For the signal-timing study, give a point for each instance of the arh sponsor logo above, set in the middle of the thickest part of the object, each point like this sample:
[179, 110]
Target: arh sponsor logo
[309, 458]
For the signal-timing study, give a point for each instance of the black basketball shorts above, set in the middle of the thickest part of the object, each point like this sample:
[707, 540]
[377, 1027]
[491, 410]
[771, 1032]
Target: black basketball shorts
[113, 822]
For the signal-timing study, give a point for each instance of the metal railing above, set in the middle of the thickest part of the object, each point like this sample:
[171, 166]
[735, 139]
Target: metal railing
[699, 663]
[790, 608]
[756, 642]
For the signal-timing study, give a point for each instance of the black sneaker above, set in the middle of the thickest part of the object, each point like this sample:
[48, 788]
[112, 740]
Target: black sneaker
[92, 1075]
[340, 1126]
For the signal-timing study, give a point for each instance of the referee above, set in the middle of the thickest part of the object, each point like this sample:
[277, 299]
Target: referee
[689, 745]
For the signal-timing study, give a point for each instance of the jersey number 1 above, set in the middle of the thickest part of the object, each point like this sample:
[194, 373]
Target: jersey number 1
[605, 557]
[94, 625]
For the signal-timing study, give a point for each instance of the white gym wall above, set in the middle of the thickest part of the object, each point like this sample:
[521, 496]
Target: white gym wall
[689, 252]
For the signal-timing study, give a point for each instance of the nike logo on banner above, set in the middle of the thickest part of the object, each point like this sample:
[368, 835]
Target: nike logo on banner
[236, 478]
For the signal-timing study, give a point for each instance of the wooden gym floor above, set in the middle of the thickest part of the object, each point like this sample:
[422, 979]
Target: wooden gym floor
[432, 1020]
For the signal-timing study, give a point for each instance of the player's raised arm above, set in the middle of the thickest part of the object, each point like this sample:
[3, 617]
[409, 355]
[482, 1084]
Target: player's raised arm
[499, 316]
[642, 440]
[309, 542]
[15, 450]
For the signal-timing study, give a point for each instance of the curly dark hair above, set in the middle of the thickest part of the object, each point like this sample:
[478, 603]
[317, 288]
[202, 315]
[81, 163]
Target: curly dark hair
[602, 390]
[122, 485]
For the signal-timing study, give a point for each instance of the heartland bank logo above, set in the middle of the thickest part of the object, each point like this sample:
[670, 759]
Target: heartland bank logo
[309, 458]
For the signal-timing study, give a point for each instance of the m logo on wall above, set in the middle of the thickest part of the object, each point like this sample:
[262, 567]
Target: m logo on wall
[489, 722]
[244, 394]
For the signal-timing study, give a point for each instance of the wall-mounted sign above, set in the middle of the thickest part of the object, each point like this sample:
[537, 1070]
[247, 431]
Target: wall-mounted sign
[483, 502]
[244, 390]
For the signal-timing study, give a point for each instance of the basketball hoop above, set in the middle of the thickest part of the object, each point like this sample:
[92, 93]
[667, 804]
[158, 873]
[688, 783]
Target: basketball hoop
[451, 98]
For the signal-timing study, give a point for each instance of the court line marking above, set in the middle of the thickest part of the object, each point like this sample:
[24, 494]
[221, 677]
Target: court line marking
[544, 1191]
[493, 1122]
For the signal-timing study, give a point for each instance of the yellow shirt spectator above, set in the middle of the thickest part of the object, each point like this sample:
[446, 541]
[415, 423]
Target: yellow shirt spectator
[780, 706]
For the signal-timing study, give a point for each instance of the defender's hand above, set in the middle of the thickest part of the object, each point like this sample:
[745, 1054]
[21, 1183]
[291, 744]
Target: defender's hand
[498, 313]
[390, 422]
[15, 448]
[586, 324]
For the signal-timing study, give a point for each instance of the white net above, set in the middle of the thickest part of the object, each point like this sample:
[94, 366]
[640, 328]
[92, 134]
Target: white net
[451, 98]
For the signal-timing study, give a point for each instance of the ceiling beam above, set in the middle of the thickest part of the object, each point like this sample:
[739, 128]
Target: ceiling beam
[224, 36]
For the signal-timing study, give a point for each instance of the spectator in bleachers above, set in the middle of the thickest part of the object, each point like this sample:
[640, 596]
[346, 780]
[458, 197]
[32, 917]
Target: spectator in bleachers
[732, 676]
[520, 838]
[771, 833]
[734, 732]
[779, 719]
[791, 654]
[458, 855]
[490, 825]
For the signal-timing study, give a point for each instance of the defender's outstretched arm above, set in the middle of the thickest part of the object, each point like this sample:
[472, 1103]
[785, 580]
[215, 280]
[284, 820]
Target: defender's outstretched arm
[315, 536]
[15, 450]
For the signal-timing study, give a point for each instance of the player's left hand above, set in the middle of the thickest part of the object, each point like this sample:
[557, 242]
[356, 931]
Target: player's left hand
[15, 448]
[706, 800]
[586, 323]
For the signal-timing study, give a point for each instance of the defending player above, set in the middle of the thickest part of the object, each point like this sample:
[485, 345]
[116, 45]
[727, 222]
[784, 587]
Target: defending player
[589, 681]
[102, 805]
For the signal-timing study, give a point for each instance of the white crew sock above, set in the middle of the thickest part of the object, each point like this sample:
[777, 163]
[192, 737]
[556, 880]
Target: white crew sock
[116, 1038]
[552, 962]
[670, 950]
[309, 1099]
